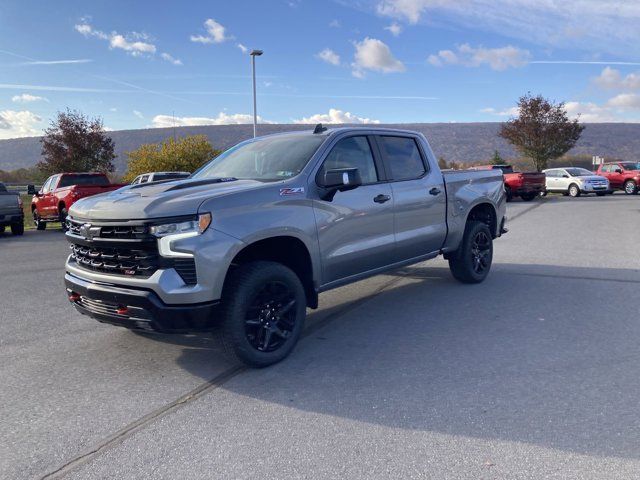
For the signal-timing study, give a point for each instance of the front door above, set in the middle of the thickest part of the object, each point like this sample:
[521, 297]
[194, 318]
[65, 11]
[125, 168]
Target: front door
[420, 204]
[355, 227]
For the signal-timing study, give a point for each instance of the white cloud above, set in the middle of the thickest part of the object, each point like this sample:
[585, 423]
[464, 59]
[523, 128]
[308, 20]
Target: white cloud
[138, 114]
[59, 62]
[216, 33]
[164, 121]
[611, 78]
[18, 124]
[171, 59]
[373, 54]
[242, 48]
[591, 25]
[113, 109]
[591, 113]
[27, 98]
[497, 58]
[335, 116]
[88, 31]
[334, 23]
[134, 48]
[509, 112]
[395, 29]
[329, 56]
[625, 101]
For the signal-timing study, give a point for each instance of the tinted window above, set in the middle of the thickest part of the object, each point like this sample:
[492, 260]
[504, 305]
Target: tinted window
[168, 176]
[403, 157]
[69, 180]
[579, 172]
[504, 168]
[45, 187]
[2, 187]
[550, 173]
[352, 152]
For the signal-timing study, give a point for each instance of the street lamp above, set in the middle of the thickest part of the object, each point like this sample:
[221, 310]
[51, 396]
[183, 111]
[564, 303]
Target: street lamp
[254, 54]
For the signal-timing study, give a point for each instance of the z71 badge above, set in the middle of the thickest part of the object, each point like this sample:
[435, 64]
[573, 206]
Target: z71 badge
[284, 192]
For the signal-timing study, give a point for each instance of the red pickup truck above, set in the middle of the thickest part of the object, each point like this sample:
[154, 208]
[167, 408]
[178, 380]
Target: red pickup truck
[622, 176]
[62, 190]
[526, 185]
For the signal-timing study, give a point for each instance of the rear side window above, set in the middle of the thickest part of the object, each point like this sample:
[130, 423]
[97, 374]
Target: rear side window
[403, 157]
[168, 176]
[352, 152]
[69, 180]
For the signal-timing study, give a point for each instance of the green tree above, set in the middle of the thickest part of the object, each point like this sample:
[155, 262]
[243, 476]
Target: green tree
[185, 154]
[542, 131]
[75, 143]
[497, 159]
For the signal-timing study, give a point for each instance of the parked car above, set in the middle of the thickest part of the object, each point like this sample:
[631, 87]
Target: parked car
[61, 191]
[11, 214]
[253, 237]
[575, 181]
[526, 185]
[159, 177]
[622, 176]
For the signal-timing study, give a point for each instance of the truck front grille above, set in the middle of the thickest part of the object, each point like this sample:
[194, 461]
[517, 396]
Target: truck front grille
[131, 262]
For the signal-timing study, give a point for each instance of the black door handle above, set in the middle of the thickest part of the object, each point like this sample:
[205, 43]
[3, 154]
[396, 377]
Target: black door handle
[434, 191]
[381, 198]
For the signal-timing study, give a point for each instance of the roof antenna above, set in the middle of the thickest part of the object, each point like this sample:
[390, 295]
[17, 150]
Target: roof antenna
[319, 129]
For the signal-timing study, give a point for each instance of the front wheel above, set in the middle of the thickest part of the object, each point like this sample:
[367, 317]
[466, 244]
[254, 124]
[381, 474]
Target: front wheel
[630, 187]
[37, 221]
[472, 261]
[574, 190]
[17, 228]
[263, 312]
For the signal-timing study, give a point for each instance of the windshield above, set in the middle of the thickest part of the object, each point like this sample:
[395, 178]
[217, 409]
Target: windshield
[68, 180]
[630, 166]
[579, 172]
[264, 159]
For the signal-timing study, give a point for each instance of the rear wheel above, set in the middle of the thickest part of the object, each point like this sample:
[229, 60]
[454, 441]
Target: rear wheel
[527, 197]
[37, 221]
[17, 228]
[601, 194]
[263, 313]
[472, 261]
[574, 190]
[630, 187]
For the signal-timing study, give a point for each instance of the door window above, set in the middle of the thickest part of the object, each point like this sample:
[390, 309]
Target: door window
[47, 184]
[403, 157]
[352, 152]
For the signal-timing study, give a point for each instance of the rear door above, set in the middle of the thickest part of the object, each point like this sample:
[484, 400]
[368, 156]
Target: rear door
[355, 227]
[420, 203]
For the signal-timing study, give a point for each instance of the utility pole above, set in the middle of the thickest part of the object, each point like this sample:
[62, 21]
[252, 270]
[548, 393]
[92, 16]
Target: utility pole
[254, 54]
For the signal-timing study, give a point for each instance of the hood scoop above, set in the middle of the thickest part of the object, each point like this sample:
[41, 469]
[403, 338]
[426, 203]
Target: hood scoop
[179, 185]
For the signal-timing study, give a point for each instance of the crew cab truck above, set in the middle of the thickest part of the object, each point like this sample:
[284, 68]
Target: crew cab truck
[11, 214]
[622, 176]
[248, 242]
[61, 191]
[526, 185]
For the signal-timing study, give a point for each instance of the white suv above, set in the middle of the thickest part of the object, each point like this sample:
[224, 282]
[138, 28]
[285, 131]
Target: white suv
[575, 181]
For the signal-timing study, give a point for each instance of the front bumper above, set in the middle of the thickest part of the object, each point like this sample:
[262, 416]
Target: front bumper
[138, 309]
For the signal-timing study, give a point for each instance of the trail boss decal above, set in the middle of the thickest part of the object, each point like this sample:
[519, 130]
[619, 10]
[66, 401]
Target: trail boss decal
[285, 192]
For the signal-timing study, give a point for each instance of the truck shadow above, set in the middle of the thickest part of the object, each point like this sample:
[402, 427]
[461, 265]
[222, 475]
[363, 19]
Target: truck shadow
[539, 354]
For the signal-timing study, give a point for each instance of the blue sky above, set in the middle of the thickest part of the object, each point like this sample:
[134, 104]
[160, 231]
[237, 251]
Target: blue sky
[152, 63]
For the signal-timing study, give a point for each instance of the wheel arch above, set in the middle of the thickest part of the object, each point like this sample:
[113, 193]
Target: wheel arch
[287, 250]
[484, 212]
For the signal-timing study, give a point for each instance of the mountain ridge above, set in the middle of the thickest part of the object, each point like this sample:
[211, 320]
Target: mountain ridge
[461, 142]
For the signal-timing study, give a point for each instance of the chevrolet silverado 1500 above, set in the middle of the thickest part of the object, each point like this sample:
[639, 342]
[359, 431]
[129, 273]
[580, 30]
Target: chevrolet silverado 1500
[247, 243]
[11, 214]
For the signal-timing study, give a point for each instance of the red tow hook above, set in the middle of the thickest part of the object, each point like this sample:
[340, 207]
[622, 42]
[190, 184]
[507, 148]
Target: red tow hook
[74, 297]
[121, 310]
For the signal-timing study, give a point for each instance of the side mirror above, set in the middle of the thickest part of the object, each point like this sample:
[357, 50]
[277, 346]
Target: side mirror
[618, 170]
[565, 175]
[31, 190]
[339, 180]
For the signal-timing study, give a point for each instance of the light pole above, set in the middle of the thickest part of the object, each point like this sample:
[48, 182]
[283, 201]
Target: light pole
[254, 54]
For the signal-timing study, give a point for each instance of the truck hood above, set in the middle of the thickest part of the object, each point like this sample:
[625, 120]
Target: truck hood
[157, 200]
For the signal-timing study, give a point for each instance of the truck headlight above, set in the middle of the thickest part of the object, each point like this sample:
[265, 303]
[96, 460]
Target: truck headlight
[196, 226]
[168, 233]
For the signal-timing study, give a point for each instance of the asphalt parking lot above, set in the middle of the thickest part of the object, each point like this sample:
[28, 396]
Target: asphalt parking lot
[532, 374]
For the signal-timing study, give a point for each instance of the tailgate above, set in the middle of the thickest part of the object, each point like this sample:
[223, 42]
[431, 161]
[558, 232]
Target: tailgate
[533, 179]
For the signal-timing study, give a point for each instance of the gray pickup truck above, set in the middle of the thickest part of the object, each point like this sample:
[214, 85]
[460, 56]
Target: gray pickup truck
[11, 214]
[248, 242]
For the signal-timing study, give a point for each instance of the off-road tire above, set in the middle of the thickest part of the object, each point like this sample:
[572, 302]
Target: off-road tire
[37, 221]
[242, 288]
[463, 260]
